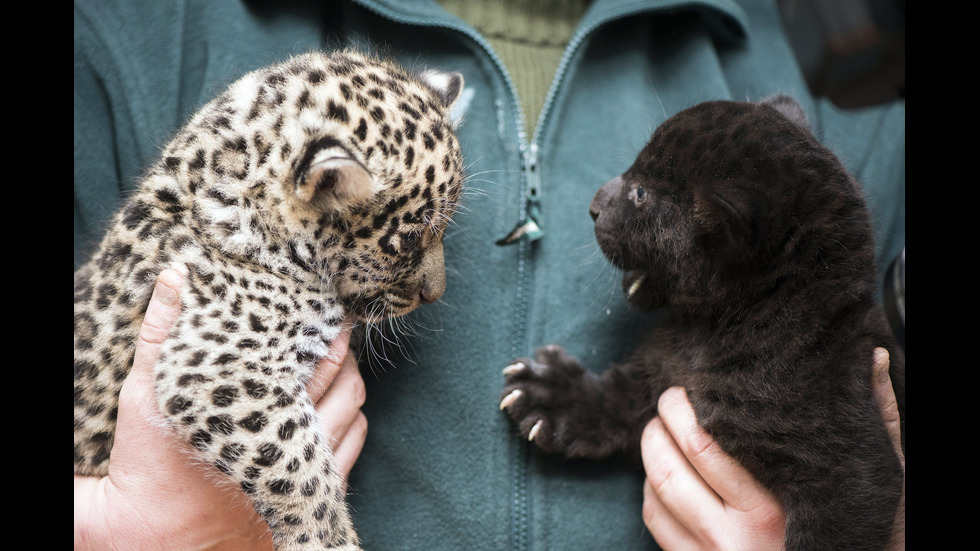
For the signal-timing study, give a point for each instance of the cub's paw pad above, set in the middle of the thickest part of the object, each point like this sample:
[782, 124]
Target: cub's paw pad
[542, 395]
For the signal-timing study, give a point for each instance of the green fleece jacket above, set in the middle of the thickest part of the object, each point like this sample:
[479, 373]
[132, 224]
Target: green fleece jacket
[442, 468]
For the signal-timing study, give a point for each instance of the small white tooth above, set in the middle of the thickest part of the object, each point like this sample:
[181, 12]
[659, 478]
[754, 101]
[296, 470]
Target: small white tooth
[534, 431]
[514, 368]
[635, 286]
[510, 399]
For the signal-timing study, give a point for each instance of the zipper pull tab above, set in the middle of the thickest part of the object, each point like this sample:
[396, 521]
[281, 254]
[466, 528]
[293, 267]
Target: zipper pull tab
[528, 228]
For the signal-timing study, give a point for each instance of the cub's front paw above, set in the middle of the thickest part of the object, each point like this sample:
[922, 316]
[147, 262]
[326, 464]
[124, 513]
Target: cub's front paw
[550, 398]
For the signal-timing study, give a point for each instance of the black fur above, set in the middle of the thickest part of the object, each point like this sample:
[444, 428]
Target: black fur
[756, 242]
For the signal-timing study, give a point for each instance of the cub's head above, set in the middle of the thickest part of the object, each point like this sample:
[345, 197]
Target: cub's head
[387, 185]
[342, 166]
[725, 199]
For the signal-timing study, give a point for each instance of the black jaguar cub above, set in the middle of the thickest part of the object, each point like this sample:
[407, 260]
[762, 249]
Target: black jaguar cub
[756, 242]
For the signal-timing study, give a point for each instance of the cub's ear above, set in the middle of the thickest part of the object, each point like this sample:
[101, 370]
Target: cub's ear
[329, 176]
[448, 86]
[725, 217]
[789, 108]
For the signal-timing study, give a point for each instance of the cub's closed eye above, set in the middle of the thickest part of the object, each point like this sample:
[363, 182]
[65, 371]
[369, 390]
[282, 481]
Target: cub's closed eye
[410, 240]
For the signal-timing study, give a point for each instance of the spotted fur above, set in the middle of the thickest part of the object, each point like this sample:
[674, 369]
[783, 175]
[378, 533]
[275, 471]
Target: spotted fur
[310, 195]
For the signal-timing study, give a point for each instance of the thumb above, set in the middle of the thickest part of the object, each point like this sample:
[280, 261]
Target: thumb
[885, 396]
[137, 402]
[161, 313]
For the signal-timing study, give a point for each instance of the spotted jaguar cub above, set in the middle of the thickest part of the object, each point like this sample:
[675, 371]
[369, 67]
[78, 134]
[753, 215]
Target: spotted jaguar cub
[755, 242]
[309, 195]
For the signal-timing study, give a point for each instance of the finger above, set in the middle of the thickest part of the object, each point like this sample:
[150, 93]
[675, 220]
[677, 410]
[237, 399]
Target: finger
[341, 403]
[161, 313]
[667, 530]
[328, 367]
[732, 483]
[885, 396]
[139, 427]
[348, 447]
[677, 485]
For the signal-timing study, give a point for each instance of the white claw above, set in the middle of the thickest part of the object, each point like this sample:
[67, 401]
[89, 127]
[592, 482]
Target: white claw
[514, 368]
[510, 398]
[534, 431]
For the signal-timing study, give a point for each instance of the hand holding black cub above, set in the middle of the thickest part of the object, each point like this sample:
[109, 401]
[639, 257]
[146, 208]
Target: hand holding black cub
[757, 243]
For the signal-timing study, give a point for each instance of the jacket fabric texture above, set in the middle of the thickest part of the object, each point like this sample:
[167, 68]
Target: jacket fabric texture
[442, 467]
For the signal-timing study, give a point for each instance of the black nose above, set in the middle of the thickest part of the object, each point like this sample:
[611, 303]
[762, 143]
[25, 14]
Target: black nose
[602, 196]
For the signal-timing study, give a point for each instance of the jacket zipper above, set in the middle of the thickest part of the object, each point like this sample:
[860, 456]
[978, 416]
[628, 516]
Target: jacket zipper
[529, 226]
[527, 230]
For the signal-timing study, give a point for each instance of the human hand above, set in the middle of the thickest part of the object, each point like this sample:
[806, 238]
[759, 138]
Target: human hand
[698, 497]
[156, 496]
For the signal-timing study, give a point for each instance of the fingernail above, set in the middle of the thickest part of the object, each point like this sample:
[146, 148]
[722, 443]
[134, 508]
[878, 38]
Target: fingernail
[167, 287]
[881, 360]
[166, 295]
[672, 393]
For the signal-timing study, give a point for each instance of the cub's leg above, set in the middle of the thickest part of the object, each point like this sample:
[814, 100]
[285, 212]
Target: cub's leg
[263, 437]
[565, 409]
